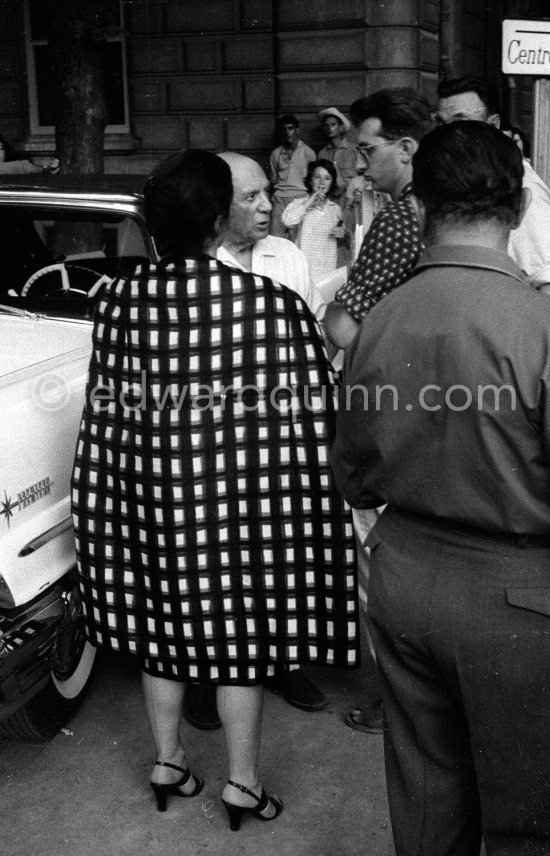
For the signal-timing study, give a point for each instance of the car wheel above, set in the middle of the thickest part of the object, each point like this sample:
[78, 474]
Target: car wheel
[72, 666]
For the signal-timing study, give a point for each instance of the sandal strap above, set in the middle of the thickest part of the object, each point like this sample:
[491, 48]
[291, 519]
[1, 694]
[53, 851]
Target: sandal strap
[244, 790]
[186, 772]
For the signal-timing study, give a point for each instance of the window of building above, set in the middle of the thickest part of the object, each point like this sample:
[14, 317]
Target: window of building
[40, 79]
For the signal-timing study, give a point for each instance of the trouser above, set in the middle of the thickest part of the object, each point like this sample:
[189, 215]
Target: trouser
[363, 522]
[461, 628]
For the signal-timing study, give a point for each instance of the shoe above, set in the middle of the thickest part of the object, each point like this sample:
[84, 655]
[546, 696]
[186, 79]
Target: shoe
[199, 706]
[298, 690]
[162, 791]
[367, 719]
[235, 812]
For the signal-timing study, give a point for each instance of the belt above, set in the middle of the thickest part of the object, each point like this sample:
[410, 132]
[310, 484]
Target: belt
[514, 539]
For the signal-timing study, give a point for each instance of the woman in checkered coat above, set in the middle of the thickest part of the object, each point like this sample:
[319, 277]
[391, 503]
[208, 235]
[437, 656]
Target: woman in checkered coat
[210, 539]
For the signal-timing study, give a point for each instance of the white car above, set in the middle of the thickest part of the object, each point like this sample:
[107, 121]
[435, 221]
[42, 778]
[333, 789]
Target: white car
[62, 240]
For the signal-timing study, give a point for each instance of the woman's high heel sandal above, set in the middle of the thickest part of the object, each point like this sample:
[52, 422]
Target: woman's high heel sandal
[235, 812]
[162, 791]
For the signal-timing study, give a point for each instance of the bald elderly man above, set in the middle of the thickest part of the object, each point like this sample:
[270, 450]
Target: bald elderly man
[249, 245]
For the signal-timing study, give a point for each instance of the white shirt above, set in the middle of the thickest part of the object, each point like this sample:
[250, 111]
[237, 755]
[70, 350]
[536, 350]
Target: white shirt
[529, 244]
[282, 261]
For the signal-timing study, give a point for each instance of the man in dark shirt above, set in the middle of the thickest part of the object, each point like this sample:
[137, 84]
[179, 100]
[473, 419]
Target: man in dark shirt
[390, 123]
[445, 416]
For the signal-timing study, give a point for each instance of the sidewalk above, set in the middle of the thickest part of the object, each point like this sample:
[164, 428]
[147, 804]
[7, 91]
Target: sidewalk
[86, 793]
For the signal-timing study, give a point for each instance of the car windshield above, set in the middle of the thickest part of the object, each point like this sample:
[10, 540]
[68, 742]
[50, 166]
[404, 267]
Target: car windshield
[55, 261]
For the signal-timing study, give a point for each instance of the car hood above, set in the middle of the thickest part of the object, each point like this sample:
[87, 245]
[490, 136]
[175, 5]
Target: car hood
[27, 341]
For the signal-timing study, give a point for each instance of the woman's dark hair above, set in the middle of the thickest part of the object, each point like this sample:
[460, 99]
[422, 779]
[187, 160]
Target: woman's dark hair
[184, 196]
[10, 154]
[330, 168]
[468, 171]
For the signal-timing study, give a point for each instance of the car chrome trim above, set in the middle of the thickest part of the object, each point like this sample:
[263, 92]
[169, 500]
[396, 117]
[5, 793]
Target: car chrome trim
[46, 537]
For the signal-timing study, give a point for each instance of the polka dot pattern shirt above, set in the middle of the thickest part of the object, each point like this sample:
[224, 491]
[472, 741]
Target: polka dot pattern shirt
[387, 257]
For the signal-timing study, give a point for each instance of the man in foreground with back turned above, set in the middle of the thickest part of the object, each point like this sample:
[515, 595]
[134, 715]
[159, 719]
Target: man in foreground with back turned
[445, 416]
[478, 99]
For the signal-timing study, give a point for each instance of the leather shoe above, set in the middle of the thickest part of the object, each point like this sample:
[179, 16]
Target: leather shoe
[368, 719]
[298, 690]
[199, 706]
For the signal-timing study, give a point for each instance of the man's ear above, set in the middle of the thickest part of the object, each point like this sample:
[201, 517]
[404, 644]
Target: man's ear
[408, 148]
[220, 225]
[524, 205]
[494, 120]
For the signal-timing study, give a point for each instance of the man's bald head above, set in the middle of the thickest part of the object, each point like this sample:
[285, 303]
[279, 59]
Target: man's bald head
[250, 213]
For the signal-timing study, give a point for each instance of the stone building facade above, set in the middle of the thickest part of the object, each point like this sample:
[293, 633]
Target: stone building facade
[215, 74]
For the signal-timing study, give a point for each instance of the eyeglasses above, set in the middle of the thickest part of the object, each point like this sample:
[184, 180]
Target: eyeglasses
[365, 149]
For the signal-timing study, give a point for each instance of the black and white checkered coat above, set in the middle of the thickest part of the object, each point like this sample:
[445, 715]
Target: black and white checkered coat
[211, 540]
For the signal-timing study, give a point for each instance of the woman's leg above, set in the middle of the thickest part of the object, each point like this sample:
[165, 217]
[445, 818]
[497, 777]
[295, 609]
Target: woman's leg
[163, 701]
[240, 710]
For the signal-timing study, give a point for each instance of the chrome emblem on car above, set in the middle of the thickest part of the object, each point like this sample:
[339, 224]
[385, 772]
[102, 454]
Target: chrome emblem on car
[7, 506]
[26, 497]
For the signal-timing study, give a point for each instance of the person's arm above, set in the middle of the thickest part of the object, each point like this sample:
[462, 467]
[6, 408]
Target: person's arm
[337, 230]
[340, 327]
[19, 167]
[295, 210]
[354, 468]
[529, 245]
[273, 167]
[385, 261]
[348, 465]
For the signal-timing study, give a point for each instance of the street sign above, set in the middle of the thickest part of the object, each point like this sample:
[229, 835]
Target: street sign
[526, 47]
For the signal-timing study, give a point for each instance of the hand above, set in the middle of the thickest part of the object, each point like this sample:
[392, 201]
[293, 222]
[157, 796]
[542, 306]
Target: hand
[357, 194]
[315, 199]
[53, 166]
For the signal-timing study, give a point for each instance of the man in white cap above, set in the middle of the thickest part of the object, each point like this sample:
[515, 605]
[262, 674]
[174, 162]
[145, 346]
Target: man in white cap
[338, 151]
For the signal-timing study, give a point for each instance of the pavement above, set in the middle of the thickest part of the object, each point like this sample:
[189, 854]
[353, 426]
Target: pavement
[86, 792]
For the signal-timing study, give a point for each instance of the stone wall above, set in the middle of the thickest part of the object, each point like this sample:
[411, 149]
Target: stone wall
[215, 74]
[202, 75]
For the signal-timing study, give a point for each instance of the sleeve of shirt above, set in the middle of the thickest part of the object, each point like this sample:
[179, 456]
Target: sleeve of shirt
[298, 278]
[20, 166]
[529, 245]
[349, 465]
[310, 155]
[347, 164]
[384, 262]
[273, 166]
[310, 292]
[294, 211]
